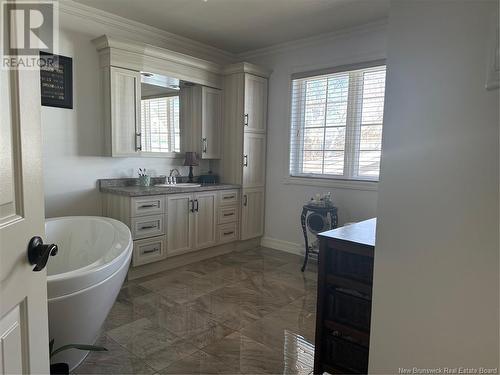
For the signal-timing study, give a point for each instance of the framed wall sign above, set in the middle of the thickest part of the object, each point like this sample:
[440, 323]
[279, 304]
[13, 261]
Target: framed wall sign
[56, 80]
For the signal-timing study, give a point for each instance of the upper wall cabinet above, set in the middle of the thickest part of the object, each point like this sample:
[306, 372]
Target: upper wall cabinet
[121, 111]
[201, 117]
[211, 123]
[158, 102]
[255, 103]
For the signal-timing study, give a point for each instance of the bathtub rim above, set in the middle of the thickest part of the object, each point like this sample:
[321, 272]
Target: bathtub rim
[95, 285]
[69, 282]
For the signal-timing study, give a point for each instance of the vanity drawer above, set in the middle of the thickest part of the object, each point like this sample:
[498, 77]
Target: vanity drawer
[149, 250]
[143, 206]
[147, 226]
[228, 214]
[227, 232]
[228, 197]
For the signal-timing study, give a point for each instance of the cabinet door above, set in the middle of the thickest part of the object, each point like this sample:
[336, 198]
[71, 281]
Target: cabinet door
[252, 213]
[211, 123]
[125, 114]
[254, 160]
[179, 223]
[205, 219]
[255, 103]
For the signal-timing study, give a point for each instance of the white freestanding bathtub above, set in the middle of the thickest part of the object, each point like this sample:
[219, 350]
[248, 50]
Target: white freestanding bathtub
[84, 278]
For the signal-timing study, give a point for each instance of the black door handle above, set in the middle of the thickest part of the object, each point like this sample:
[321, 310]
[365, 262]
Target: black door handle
[38, 253]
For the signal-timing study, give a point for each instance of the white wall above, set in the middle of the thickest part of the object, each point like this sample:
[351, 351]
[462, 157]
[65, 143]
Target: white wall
[284, 201]
[436, 282]
[72, 138]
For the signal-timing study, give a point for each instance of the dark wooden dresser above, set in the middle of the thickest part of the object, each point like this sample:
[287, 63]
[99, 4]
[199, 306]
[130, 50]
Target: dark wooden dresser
[345, 277]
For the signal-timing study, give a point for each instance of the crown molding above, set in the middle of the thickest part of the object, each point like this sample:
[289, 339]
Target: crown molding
[246, 67]
[144, 49]
[152, 34]
[379, 25]
[156, 36]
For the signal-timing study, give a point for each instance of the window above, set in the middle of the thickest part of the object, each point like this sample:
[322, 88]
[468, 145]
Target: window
[160, 124]
[336, 123]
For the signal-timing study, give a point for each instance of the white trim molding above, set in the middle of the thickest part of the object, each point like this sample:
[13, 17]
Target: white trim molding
[246, 67]
[314, 40]
[493, 75]
[288, 247]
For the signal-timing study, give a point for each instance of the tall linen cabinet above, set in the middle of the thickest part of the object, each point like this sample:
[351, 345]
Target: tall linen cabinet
[244, 141]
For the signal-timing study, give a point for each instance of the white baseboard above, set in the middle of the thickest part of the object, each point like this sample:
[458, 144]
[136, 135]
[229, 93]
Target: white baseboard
[289, 247]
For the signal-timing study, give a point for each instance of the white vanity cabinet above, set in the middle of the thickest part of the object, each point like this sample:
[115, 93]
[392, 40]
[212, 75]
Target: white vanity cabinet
[254, 159]
[180, 223]
[244, 141]
[191, 222]
[173, 224]
[252, 213]
[146, 217]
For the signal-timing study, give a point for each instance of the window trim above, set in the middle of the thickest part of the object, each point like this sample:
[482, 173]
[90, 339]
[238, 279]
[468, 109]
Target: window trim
[357, 182]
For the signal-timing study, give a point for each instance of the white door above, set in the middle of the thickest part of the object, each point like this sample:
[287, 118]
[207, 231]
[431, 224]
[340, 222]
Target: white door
[254, 160]
[211, 123]
[180, 212]
[255, 103]
[205, 219]
[252, 213]
[125, 111]
[23, 293]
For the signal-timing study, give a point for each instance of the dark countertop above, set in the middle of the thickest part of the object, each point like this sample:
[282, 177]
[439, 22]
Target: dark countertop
[362, 233]
[137, 191]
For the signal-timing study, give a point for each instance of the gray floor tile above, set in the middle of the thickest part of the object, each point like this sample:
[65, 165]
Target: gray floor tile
[248, 312]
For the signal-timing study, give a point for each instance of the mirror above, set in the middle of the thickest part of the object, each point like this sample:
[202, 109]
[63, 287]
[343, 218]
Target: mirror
[160, 113]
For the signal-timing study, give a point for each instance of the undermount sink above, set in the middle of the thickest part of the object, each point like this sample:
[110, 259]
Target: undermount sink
[180, 184]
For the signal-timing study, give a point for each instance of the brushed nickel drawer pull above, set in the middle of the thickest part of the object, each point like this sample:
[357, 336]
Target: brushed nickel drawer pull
[149, 227]
[229, 197]
[228, 233]
[151, 251]
[148, 206]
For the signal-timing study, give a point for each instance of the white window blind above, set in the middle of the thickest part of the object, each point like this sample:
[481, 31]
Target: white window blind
[336, 124]
[160, 130]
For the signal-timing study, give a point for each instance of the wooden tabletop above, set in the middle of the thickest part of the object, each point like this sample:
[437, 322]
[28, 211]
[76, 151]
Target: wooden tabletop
[362, 233]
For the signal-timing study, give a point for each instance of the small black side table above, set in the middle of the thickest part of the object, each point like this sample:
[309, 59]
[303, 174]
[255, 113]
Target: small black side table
[324, 211]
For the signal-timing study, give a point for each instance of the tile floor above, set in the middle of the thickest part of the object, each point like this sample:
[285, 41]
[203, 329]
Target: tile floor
[250, 312]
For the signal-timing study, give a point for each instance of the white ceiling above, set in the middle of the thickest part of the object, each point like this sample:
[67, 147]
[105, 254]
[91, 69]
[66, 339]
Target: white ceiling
[243, 25]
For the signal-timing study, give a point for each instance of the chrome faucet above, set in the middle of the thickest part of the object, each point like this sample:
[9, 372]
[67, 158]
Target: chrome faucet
[171, 179]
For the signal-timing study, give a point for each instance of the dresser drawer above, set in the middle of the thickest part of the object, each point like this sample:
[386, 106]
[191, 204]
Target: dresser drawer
[147, 226]
[228, 197]
[346, 307]
[345, 354]
[149, 250]
[227, 232]
[350, 265]
[144, 206]
[228, 214]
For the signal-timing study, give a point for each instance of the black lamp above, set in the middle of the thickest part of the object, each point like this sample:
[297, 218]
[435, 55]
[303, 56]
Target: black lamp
[191, 159]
